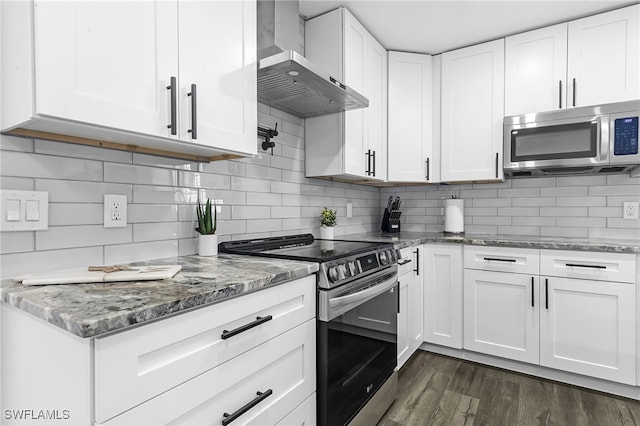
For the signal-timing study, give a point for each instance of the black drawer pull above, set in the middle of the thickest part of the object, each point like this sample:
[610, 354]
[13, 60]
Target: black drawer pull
[497, 259]
[228, 418]
[172, 125]
[194, 113]
[546, 293]
[533, 304]
[259, 320]
[577, 265]
[417, 253]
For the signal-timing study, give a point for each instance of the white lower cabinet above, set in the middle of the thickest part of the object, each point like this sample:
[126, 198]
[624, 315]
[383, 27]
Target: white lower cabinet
[410, 335]
[268, 380]
[501, 316]
[303, 414]
[443, 294]
[577, 314]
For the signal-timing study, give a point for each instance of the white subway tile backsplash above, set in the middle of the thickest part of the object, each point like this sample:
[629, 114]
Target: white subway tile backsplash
[13, 143]
[519, 230]
[285, 212]
[232, 227]
[22, 184]
[533, 202]
[70, 191]
[156, 231]
[264, 225]
[250, 212]
[491, 202]
[262, 172]
[519, 192]
[581, 201]
[61, 237]
[233, 168]
[264, 199]
[519, 211]
[188, 246]
[546, 182]
[605, 211]
[249, 184]
[141, 213]
[76, 214]
[615, 234]
[491, 220]
[582, 180]
[622, 179]
[204, 180]
[147, 194]
[17, 242]
[610, 190]
[144, 175]
[568, 191]
[81, 151]
[582, 222]
[564, 232]
[23, 164]
[563, 211]
[12, 265]
[533, 221]
[136, 252]
[618, 222]
[479, 193]
[619, 201]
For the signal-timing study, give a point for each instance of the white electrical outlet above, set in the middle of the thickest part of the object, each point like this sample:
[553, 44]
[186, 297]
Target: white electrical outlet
[115, 211]
[630, 210]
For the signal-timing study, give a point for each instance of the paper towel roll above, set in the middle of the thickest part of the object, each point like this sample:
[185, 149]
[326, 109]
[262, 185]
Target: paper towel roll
[454, 216]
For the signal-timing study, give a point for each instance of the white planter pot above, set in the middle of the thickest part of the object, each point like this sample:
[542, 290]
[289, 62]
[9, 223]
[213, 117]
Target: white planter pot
[327, 232]
[208, 245]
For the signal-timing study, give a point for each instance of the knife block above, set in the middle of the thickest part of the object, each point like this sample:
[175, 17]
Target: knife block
[391, 220]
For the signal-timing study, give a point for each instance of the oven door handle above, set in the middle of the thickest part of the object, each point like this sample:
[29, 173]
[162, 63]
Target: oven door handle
[366, 294]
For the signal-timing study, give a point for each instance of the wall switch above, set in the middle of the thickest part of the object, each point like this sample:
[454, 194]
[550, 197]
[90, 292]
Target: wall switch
[115, 211]
[349, 209]
[24, 210]
[630, 210]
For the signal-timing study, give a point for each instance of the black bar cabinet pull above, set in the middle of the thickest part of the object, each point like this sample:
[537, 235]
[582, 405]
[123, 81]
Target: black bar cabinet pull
[546, 293]
[497, 259]
[427, 169]
[398, 295]
[374, 162]
[174, 110]
[574, 92]
[259, 320]
[533, 303]
[417, 270]
[578, 265]
[560, 95]
[228, 418]
[194, 114]
[496, 165]
[368, 169]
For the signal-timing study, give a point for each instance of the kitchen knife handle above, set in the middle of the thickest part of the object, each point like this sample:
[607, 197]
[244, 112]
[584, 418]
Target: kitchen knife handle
[560, 95]
[374, 163]
[194, 113]
[574, 92]
[174, 111]
[228, 418]
[427, 168]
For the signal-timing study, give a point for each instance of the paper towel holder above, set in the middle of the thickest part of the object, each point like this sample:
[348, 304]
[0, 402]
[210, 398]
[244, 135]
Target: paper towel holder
[454, 212]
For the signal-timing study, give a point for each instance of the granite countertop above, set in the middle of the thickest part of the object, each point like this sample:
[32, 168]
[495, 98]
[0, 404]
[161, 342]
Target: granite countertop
[407, 239]
[88, 310]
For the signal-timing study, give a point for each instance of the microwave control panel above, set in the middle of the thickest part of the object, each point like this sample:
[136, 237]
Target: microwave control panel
[625, 136]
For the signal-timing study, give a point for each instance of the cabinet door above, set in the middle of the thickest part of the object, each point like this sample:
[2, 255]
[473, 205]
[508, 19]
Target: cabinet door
[588, 327]
[536, 70]
[355, 145]
[604, 53]
[403, 319]
[501, 314]
[410, 116]
[218, 55]
[416, 302]
[375, 89]
[443, 295]
[107, 63]
[472, 112]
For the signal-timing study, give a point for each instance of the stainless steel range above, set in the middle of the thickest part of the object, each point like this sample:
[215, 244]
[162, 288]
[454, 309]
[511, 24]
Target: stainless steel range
[357, 322]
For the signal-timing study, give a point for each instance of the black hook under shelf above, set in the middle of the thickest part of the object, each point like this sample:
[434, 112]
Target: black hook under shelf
[267, 134]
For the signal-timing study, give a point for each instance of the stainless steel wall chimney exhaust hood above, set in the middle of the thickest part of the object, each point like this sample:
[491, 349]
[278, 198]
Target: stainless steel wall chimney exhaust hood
[288, 81]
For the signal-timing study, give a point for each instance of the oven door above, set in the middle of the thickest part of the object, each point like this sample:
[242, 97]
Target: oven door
[357, 344]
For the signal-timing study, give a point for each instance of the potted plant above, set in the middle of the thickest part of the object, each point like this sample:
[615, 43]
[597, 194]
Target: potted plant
[327, 222]
[207, 223]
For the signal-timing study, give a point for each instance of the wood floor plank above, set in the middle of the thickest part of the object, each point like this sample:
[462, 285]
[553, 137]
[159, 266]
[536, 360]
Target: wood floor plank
[439, 390]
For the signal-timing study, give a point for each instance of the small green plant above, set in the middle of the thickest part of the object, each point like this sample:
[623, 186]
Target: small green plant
[206, 221]
[328, 217]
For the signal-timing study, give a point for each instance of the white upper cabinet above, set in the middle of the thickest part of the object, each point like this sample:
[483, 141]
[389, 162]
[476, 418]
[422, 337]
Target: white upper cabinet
[123, 72]
[536, 70]
[411, 152]
[472, 113]
[351, 145]
[590, 61]
[604, 57]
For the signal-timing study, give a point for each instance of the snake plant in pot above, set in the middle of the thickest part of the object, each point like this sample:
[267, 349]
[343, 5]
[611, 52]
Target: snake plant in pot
[207, 223]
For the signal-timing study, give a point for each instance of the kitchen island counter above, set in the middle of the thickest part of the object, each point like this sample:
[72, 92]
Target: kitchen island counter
[89, 310]
[407, 239]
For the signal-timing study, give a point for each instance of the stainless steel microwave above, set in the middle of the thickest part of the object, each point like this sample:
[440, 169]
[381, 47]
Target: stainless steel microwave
[583, 140]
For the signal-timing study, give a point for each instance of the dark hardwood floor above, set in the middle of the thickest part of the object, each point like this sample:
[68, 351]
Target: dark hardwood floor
[438, 390]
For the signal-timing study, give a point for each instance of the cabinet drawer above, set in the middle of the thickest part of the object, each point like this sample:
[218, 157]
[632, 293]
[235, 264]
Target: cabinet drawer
[619, 267]
[284, 365]
[134, 366]
[409, 259]
[304, 414]
[502, 259]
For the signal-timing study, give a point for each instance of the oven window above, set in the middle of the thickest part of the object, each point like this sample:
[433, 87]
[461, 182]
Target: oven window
[357, 352]
[576, 140]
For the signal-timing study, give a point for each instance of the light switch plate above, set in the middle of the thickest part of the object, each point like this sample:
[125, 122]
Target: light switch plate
[24, 210]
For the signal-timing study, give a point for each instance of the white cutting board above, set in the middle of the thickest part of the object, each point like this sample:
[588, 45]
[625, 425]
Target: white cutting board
[80, 276]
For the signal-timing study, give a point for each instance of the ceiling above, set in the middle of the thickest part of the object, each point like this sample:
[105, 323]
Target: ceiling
[427, 26]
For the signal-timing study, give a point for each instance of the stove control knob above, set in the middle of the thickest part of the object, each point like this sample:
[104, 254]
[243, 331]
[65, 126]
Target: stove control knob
[353, 268]
[344, 271]
[383, 258]
[333, 274]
